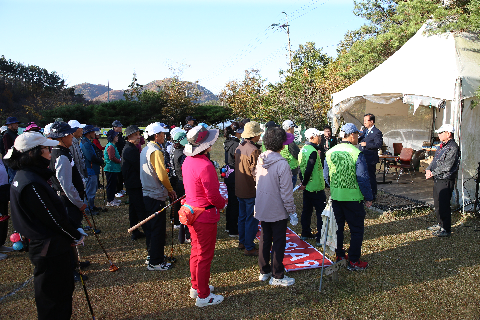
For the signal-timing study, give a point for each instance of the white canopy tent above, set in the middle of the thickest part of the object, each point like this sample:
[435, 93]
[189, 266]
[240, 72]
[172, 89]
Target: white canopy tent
[429, 81]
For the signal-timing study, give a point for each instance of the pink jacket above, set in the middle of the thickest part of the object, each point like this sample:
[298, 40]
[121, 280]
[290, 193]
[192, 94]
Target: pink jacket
[202, 187]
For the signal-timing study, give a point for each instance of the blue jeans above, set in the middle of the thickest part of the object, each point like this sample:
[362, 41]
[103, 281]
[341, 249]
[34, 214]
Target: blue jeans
[294, 176]
[91, 190]
[247, 224]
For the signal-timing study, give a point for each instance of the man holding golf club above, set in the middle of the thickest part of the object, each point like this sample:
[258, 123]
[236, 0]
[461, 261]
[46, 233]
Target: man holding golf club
[156, 188]
[93, 163]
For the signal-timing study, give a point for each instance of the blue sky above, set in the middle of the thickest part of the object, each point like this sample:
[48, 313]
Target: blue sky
[209, 41]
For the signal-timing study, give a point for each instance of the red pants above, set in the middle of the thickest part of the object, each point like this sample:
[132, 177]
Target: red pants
[204, 236]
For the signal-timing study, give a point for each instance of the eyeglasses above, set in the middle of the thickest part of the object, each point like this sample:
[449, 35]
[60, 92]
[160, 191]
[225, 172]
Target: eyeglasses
[46, 148]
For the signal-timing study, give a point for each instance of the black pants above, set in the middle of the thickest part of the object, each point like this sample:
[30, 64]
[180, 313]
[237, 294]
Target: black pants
[180, 191]
[353, 213]
[442, 194]
[155, 230]
[53, 283]
[312, 200]
[372, 173]
[111, 185]
[231, 213]
[273, 235]
[136, 208]
[119, 186]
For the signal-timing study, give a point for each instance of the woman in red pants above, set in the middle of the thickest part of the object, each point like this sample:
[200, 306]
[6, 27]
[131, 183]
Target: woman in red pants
[202, 190]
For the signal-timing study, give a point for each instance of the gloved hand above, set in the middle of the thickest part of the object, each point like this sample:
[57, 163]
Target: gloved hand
[293, 219]
[82, 238]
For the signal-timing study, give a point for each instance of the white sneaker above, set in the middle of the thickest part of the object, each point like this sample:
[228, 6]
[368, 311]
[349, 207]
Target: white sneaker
[194, 293]
[147, 260]
[209, 301]
[285, 282]
[118, 195]
[176, 226]
[117, 201]
[159, 267]
[112, 204]
[264, 276]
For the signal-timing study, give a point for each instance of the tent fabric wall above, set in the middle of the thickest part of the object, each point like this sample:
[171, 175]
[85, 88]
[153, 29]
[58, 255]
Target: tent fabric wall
[437, 68]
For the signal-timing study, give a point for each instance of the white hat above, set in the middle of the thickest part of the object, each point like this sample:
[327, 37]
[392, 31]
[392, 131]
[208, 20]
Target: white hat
[445, 127]
[287, 124]
[29, 140]
[312, 132]
[154, 128]
[3, 129]
[46, 130]
[76, 124]
[199, 138]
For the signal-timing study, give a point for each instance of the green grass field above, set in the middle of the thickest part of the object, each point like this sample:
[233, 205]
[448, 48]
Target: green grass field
[412, 275]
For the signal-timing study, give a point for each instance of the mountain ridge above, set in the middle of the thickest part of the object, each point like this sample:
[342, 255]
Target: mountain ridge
[99, 92]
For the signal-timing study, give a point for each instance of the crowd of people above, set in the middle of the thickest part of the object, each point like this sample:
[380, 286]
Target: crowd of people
[51, 180]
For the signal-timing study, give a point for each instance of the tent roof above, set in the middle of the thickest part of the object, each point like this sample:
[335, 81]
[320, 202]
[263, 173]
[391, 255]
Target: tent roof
[426, 65]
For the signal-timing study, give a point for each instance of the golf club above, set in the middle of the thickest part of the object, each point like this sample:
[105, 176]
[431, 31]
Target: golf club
[112, 267]
[104, 209]
[153, 215]
[83, 283]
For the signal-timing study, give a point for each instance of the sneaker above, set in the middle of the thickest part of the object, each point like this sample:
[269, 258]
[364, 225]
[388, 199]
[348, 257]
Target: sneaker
[117, 201]
[264, 276]
[211, 300]
[159, 267]
[233, 235]
[147, 260]
[345, 257]
[359, 265]
[435, 227]
[118, 195]
[194, 293]
[3, 256]
[441, 233]
[251, 253]
[84, 264]
[176, 227]
[307, 237]
[112, 204]
[285, 282]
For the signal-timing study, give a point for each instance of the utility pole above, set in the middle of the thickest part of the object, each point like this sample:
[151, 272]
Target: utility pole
[286, 27]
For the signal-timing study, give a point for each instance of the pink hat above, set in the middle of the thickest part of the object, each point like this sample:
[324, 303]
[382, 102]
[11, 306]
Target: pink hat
[32, 126]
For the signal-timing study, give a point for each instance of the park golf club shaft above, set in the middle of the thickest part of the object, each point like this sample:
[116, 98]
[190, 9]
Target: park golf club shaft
[105, 209]
[112, 267]
[153, 215]
[83, 283]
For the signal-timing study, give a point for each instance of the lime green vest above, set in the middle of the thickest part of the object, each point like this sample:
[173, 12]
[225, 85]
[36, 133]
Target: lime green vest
[292, 162]
[316, 182]
[341, 161]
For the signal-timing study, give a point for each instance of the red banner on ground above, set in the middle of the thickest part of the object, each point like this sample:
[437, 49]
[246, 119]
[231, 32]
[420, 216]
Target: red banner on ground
[300, 255]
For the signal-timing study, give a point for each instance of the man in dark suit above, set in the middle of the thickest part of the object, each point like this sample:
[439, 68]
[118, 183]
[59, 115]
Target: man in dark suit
[370, 140]
[326, 143]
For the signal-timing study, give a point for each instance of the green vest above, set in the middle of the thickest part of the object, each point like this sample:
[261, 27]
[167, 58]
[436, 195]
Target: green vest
[341, 161]
[111, 166]
[316, 182]
[292, 162]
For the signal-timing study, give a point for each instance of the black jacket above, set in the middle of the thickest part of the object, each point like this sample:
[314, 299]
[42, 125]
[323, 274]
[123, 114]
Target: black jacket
[38, 213]
[178, 158]
[131, 166]
[121, 143]
[374, 141]
[446, 161]
[230, 145]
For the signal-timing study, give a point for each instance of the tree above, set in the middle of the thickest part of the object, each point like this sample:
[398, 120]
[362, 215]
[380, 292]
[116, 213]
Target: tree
[135, 90]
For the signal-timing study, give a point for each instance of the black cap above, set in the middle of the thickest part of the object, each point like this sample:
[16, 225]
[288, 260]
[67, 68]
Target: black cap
[117, 123]
[271, 124]
[89, 128]
[60, 129]
[189, 118]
